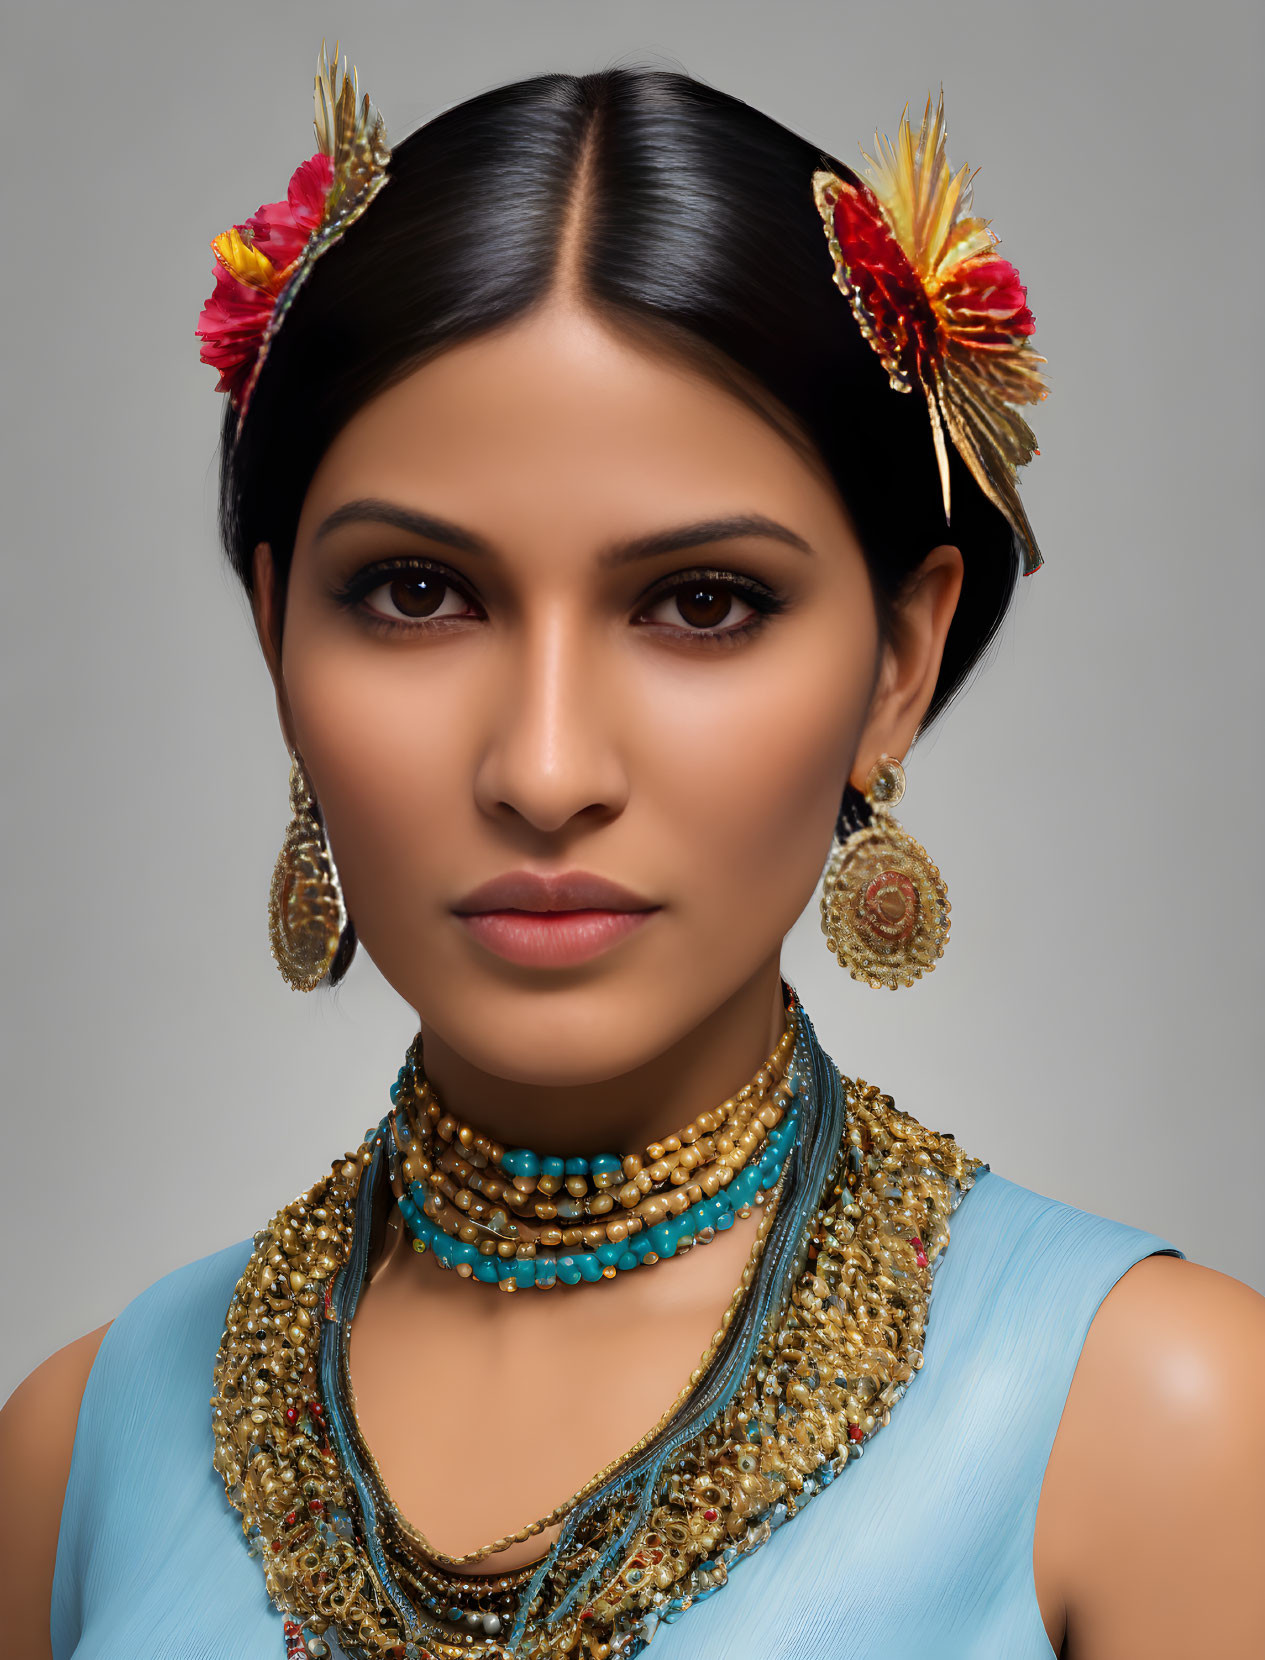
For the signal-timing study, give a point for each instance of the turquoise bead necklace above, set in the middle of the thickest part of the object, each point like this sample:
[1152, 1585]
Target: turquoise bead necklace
[699, 1224]
[521, 1220]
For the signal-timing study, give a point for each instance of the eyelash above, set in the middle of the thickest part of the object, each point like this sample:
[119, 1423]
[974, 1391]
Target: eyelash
[763, 601]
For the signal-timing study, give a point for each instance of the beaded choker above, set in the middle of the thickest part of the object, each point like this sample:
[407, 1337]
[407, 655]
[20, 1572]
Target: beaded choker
[513, 1218]
[821, 1341]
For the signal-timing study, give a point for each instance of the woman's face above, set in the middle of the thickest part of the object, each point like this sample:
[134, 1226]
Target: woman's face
[560, 605]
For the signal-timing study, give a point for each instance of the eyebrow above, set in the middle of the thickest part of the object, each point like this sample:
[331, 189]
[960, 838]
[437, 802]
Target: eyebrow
[702, 533]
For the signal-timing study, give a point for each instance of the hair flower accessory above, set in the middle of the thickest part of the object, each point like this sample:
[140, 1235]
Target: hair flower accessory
[942, 311]
[261, 264]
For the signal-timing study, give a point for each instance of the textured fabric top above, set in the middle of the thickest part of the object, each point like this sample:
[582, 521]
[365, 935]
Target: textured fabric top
[922, 1547]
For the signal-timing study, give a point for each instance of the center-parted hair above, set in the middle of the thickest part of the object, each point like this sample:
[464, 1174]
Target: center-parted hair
[678, 214]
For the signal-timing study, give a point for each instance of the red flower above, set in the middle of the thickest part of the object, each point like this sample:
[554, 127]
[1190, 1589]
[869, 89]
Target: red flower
[281, 229]
[253, 263]
[885, 283]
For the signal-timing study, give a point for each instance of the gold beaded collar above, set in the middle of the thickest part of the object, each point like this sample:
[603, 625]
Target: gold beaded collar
[831, 1362]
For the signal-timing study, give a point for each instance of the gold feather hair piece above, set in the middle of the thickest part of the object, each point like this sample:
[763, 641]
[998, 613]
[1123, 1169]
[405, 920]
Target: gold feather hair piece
[940, 308]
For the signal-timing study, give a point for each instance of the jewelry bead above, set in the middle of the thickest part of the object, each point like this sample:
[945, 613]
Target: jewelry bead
[519, 1161]
[664, 1209]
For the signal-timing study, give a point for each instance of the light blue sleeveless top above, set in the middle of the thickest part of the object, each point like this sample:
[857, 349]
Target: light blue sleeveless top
[921, 1550]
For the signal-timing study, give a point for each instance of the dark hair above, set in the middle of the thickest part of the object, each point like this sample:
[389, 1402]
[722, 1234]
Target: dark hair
[697, 229]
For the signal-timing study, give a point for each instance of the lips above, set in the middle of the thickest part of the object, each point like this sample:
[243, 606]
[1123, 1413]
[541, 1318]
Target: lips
[569, 890]
[552, 921]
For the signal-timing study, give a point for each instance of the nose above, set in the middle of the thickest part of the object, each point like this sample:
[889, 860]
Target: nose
[552, 752]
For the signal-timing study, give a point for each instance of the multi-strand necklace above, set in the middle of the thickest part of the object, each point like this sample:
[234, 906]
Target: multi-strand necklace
[515, 1218]
[819, 1342]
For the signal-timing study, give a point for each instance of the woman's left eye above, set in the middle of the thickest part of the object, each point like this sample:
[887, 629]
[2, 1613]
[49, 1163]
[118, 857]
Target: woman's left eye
[710, 605]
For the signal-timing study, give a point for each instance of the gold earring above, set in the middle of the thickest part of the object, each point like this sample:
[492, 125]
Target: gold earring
[884, 905]
[306, 914]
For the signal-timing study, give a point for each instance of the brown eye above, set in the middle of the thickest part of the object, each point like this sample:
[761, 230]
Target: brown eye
[703, 604]
[416, 596]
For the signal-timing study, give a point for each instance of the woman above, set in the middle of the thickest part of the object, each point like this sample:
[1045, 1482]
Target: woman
[606, 559]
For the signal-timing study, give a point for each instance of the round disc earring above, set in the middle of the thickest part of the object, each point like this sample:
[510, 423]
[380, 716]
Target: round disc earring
[306, 914]
[884, 905]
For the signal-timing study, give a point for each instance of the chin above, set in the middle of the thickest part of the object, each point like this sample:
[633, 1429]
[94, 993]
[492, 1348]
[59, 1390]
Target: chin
[580, 1029]
[561, 1027]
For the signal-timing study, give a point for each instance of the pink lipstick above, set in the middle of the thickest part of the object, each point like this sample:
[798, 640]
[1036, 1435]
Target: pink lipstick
[551, 921]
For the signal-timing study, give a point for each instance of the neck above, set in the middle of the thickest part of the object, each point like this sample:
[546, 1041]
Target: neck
[698, 1071]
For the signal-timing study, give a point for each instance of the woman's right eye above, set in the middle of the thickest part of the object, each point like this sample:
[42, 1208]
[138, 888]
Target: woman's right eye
[415, 596]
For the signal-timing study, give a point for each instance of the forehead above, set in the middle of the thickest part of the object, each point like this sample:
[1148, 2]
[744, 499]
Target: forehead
[558, 425]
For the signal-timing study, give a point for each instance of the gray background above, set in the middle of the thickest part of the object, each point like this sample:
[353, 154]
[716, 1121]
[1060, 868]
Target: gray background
[1094, 802]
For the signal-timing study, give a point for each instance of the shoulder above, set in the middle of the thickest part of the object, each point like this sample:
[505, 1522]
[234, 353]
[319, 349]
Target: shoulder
[160, 1348]
[39, 1417]
[37, 1436]
[1166, 1306]
[1177, 1348]
[1150, 1511]
[1025, 1258]
[57, 1442]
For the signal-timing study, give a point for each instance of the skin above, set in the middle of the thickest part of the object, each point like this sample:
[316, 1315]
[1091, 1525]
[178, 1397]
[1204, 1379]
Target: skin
[561, 711]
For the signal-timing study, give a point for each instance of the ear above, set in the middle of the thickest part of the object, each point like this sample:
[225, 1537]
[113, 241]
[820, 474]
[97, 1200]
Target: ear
[911, 660]
[266, 605]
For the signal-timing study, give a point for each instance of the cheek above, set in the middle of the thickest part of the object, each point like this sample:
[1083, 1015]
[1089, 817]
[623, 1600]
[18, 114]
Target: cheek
[390, 755]
[747, 770]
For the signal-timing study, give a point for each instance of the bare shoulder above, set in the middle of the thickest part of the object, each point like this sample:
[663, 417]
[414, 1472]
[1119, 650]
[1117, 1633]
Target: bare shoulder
[1151, 1521]
[1141, 1305]
[1179, 1348]
[37, 1435]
